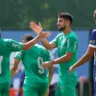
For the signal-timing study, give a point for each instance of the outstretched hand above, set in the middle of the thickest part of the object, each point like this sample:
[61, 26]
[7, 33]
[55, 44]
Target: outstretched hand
[35, 27]
[46, 64]
[38, 29]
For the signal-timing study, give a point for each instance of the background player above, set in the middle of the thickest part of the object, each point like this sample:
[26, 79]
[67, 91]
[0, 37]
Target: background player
[36, 81]
[6, 47]
[87, 56]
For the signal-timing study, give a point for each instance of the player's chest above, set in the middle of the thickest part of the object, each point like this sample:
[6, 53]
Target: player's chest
[62, 44]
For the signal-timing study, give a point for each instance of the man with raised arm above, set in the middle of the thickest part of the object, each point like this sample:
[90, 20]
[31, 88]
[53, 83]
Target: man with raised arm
[67, 43]
[36, 82]
[6, 47]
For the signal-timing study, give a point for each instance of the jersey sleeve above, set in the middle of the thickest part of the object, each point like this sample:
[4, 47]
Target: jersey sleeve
[92, 42]
[19, 55]
[13, 45]
[72, 44]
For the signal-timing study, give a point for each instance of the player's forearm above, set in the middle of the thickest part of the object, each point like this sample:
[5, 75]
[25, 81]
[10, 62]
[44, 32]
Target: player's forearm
[50, 79]
[31, 43]
[85, 58]
[45, 43]
[13, 71]
[62, 59]
[50, 75]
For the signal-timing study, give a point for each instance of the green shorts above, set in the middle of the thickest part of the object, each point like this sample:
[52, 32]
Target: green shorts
[66, 87]
[36, 89]
[4, 89]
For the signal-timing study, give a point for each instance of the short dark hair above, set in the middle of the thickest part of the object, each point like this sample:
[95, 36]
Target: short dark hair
[27, 37]
[66, 16]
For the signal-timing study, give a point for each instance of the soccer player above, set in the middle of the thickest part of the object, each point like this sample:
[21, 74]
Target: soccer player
[36, 80]
[6, 47]
[67, 43]
[87, 56]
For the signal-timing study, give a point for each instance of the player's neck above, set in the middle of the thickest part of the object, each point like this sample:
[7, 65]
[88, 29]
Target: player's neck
[66, 31]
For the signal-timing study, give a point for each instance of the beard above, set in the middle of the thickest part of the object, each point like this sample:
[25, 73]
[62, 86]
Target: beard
[62, 28]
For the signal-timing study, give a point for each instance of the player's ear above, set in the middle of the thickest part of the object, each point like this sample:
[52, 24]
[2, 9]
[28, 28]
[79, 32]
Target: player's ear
[67, 22]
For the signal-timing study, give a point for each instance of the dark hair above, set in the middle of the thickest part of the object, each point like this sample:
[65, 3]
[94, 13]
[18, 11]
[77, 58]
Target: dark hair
[27, 37]
[66, 16]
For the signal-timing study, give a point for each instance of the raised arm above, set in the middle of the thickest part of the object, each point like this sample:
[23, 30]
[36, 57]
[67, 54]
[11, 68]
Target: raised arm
[44, 41]
[31, 43]
[48, 45]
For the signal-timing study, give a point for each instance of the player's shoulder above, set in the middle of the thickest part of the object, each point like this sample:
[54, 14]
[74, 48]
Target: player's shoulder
[42, 49]
[94, 32]
[72, 35]
[8, 40]
[38, 46]
[60, 34]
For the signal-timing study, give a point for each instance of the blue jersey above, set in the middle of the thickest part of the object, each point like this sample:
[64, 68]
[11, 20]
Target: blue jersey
[93, 45]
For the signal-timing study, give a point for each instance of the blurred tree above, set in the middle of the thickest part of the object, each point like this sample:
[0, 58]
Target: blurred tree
[17, 14]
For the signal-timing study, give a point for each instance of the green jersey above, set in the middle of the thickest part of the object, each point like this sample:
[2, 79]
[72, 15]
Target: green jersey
[6, 47]
[32, 60]
[66, 43]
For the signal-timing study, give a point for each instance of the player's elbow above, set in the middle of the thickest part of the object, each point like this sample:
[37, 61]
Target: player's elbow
[48, 48]
[68, 58]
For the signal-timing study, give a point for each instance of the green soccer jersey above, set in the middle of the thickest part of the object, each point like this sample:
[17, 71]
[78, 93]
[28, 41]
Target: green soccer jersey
[66, 43]
[6, 47]
[32, 60]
